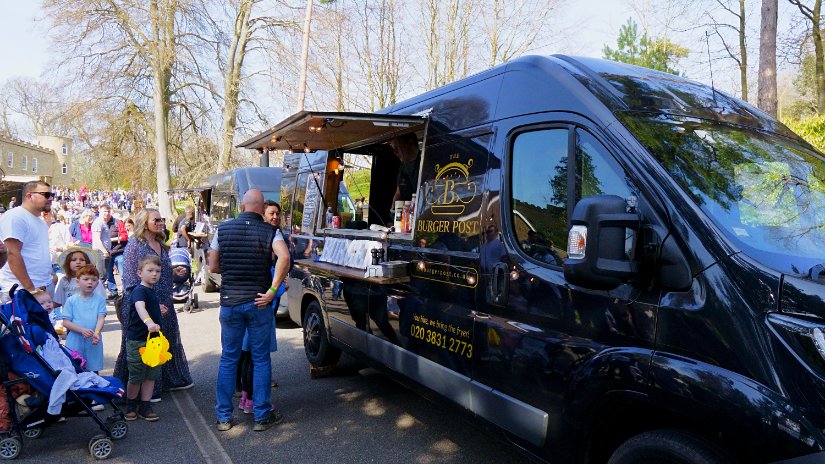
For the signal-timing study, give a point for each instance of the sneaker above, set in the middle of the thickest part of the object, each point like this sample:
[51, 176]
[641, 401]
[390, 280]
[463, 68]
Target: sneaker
[247, 406]
[146, 413]
[185, 387]
[98, 407]
[272, 418]
[155, 399]
[224, 426]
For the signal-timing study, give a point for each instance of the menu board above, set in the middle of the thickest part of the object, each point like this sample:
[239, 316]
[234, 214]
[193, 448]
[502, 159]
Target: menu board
[311, 202]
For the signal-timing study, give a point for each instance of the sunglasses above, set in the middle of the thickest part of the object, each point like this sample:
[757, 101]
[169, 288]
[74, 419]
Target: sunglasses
[159, 221]
[46, 195]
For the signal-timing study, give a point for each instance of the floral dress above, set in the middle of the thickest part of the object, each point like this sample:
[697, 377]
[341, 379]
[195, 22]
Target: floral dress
[175, 373]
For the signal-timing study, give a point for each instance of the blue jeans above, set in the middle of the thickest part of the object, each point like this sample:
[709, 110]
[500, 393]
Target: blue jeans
[235, 320]
[110, 275]
[119, 263]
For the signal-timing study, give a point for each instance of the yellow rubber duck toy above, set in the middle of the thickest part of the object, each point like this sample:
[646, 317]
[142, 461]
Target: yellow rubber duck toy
[156, 352]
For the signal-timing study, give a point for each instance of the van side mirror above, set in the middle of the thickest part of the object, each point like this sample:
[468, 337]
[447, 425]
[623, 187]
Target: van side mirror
[596, 243]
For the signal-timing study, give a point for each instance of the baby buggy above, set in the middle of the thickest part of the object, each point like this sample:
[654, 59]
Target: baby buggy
[29, 349]
[183, 281]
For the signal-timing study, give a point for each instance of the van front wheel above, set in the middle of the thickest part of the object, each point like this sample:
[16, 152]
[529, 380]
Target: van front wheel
[319, 351]
[671, 446]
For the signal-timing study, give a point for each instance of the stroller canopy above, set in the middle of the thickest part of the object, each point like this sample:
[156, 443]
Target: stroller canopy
[180, 257]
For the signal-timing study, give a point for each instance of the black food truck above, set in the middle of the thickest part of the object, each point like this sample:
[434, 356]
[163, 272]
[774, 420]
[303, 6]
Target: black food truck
[611, 264]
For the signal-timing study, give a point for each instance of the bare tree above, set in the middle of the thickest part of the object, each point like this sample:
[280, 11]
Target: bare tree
[380, 57]
[511, 27]
[813, 14]
[736, 10]
[41, 105]
[141, 49]
[767, 98]
[448, 39]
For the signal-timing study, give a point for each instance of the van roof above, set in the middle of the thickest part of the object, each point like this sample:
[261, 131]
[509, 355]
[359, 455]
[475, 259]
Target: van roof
[625, 87]
[262, 178]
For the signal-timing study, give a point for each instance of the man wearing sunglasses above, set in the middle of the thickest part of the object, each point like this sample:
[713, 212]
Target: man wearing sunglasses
[26, 237]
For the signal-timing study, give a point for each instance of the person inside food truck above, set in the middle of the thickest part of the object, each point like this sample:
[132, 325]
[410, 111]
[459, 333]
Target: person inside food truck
[406, 149]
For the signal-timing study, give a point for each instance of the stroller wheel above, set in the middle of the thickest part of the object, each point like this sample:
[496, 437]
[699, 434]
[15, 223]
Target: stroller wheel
[101, 448]
[10, 448]
[33, 433]
[118, 429]
[194, 300]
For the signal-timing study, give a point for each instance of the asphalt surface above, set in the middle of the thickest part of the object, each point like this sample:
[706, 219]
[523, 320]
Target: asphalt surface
[356, 415]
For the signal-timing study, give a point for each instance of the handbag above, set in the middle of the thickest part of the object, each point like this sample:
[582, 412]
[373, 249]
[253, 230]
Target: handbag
[156, 352]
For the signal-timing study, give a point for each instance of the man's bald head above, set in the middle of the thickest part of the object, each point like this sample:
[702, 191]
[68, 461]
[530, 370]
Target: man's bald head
[253, 202]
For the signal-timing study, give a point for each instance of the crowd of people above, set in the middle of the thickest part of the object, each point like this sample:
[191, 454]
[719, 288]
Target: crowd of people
[66, 258]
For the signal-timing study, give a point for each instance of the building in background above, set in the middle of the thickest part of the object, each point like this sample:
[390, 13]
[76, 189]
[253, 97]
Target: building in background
[50, 160]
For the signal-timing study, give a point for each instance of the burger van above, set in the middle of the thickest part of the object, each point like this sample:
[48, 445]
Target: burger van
[608, 263]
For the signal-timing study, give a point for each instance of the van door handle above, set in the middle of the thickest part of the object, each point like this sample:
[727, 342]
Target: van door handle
[500, 284]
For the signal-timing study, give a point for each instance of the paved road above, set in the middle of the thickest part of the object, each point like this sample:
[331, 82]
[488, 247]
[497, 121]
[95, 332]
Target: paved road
[355, 416]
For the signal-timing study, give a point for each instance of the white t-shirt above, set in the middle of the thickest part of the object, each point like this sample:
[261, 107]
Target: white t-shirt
[214, 245]
[33, 233]
[59, 239]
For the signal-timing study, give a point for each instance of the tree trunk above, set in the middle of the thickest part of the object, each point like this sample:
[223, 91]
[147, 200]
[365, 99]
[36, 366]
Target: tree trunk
[767, 58]
[819, 59]
[163, 23]
[232, 83]
[302, 83]
[743, 52]
[160, 97]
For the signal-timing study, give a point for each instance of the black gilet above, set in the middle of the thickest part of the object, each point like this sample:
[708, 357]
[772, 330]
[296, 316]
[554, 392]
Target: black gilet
[246, 258]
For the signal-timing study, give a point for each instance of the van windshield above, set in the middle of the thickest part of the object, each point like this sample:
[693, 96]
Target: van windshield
[766, 192]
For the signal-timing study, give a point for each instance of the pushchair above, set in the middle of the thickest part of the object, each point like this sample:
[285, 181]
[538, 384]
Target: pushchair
[183, 281]
[29, 349]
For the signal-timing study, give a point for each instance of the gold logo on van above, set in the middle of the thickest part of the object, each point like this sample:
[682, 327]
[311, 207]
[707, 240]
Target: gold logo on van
[451, 190]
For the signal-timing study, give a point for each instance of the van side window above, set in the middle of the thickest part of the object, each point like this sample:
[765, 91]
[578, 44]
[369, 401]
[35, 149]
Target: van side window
[597, 172]
[539, 189]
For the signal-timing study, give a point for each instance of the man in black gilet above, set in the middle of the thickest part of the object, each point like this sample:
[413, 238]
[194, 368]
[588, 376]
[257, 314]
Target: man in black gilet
[242, 252]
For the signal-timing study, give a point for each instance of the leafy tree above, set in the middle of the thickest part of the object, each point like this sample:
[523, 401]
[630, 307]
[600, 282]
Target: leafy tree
[655, 53]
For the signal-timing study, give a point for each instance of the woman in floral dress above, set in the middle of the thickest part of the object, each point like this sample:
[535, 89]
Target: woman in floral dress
[148, 239]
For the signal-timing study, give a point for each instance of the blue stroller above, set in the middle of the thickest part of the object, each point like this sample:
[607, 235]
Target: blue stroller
[183, 282]
[27, 338]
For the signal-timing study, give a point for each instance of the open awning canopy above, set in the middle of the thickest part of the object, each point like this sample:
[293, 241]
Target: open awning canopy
[316, 130]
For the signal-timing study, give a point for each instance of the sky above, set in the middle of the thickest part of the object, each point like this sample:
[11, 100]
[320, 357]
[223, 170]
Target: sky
[25, 50]
[25, 43]
[584, 27]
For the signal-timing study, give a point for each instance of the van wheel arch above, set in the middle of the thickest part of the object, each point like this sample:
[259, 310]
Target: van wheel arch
[622, 416]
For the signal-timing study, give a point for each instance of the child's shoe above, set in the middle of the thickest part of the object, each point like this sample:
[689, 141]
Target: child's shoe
[131, 410]
[145, 412]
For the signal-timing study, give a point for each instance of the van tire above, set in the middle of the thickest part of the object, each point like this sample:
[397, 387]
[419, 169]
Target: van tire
[668, 446]
[317, 347]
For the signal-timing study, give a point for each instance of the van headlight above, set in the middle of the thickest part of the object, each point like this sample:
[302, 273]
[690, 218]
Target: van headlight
[805, 338]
